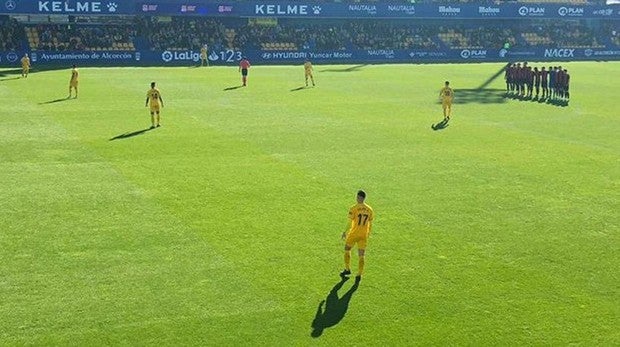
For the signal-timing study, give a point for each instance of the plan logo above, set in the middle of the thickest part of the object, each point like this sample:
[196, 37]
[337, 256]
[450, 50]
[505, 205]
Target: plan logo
[531, 11]
[474, 53]
[571, 11]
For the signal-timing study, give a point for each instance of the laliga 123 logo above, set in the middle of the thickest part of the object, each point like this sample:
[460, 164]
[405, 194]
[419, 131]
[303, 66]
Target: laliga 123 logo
[167, 56]
[503, 52]
[316, 9]
[466, 53]
[588, 52]
[213, 56]
[10, 5]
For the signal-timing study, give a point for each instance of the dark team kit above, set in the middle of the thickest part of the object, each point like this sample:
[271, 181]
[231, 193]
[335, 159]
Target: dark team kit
[526, 83]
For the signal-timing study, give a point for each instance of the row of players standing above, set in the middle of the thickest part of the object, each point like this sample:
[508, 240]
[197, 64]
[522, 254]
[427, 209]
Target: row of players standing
[522, 81]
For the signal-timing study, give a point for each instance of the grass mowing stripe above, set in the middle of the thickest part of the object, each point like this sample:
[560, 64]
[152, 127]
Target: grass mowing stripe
[83, 279]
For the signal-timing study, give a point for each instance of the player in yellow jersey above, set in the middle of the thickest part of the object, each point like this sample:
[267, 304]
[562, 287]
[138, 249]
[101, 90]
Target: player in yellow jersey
[73, 82]
[446, 95]
[154, 100]
[358, 229]
[308, 71]
[25, 65]
[204, 58]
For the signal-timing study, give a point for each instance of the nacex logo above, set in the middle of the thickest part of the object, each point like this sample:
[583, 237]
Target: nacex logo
[559, 53]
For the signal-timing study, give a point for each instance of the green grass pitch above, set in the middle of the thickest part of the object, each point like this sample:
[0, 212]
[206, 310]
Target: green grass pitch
[223, 226]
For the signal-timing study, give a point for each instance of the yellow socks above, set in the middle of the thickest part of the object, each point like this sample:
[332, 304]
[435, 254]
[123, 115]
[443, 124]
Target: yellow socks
[361, 265]
[347, 260]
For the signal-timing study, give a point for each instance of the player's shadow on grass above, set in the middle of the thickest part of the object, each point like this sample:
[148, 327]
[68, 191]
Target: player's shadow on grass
[479, 96]
[54, 101]
[559, 103]
[349, 69]
[233, 88]
[540, 99]
[332, 310]
[132, 134]
[9, 79]
[440, 126]
[298, 88]
[5, 73]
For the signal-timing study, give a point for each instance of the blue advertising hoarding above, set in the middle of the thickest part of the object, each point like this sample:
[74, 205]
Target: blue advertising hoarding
[300, 9]
[383, 56]
[77, 7]
[379, 10]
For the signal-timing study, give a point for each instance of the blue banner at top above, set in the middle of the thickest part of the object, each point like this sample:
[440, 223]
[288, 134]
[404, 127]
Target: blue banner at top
[300, 9]
[77, 7]
[378, 10]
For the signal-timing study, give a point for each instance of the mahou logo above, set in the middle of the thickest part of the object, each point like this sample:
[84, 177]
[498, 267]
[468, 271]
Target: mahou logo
[449, 10]
[488, 10]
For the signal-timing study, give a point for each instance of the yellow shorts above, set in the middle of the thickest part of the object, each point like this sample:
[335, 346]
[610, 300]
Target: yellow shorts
[446, 104]
[308, 74]
[360, 240]
[154, 108]
[73, 84]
